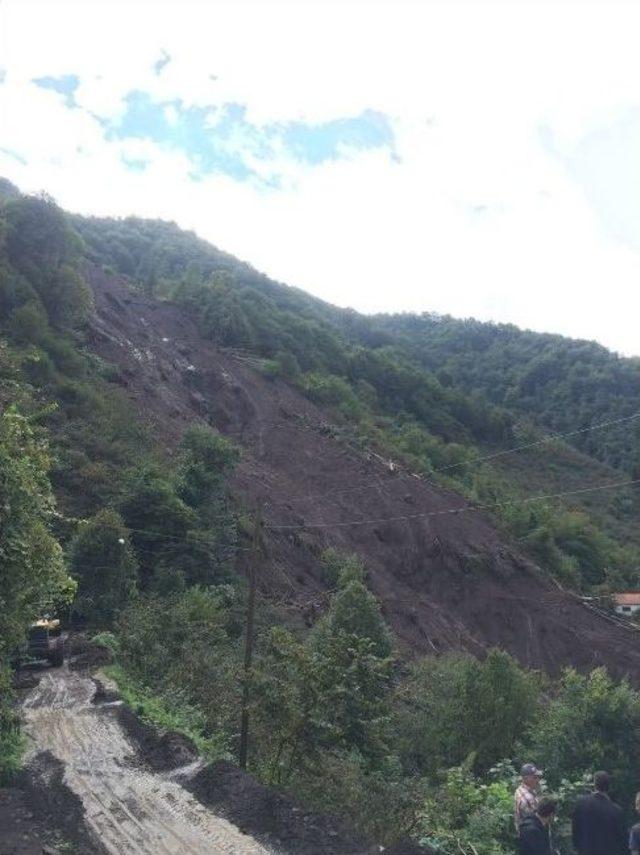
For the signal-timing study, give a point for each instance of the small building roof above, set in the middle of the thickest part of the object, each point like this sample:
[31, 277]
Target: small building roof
[630, 599]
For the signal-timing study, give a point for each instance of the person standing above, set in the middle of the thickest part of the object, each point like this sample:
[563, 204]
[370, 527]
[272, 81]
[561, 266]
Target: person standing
[526, 796]
[598, 824]
[534, 837]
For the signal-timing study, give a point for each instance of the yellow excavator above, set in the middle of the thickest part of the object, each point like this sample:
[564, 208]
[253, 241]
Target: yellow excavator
[45, 641]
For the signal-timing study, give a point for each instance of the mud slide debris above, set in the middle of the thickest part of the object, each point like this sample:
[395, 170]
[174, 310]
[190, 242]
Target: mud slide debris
[127, 808]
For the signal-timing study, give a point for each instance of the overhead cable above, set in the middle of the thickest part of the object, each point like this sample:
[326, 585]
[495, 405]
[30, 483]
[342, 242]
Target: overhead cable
[459, 510]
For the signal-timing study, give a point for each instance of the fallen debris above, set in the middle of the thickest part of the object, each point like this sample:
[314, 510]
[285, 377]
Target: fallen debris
[86, 777]
[278, 820]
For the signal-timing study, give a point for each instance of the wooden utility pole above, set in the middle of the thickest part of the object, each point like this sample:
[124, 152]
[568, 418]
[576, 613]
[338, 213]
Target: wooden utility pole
[248, 639]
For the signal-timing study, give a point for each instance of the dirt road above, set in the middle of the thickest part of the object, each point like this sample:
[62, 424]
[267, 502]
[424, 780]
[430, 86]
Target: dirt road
[127, 809]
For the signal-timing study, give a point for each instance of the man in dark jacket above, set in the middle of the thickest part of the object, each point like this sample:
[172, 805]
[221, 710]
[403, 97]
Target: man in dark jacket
[598, 823]
[535, 830]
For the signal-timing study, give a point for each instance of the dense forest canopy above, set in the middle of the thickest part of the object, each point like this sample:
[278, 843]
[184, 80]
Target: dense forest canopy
[559, 383]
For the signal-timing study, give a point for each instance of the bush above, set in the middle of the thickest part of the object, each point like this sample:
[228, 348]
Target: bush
[12, 742]
[467, 817]
[184, 644]
[104, 564]
[456, 707]
[38, 368]
[383, 804]
[108, 640]
[591, 723]
[29, 323]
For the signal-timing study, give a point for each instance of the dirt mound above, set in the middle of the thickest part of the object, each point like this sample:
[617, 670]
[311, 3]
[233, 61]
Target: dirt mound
[25, 678]
[54, 807]
[126, 806]
[84, 655]
[19, 832]
[276, 819]
[159, 750]
[446, 577]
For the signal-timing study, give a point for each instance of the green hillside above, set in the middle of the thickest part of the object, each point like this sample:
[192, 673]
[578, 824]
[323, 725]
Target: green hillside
[426, 391]
[100, 515]
[558, 383]
[477, 395]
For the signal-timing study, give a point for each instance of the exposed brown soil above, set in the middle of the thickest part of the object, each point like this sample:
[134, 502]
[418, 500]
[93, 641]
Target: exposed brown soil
[40, 814]
[91, 657]
[84, 777]
[446, 582]
[98, 780]
[57, 807]
[277, 820]
[20, 831]
[161, 751]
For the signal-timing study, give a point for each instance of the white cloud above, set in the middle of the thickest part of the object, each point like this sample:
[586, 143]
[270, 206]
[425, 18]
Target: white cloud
[477, 217]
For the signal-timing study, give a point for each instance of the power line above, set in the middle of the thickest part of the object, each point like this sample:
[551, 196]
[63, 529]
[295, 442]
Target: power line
[504, 453]
[542, 441]
[181, 538]
[461, 510]
[377, 483]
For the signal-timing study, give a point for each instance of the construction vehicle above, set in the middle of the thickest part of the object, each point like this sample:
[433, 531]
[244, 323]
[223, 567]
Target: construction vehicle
[45, 641]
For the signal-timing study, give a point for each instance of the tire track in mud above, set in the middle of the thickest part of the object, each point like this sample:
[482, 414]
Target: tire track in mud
[127, 809]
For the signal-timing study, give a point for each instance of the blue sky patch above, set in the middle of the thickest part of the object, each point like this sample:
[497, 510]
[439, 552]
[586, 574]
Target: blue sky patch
[65, 85]
[187, 130]
[315, 144]
[222, 139]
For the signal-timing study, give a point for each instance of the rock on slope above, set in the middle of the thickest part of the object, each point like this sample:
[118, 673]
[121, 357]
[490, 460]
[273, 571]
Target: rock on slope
[445, 581]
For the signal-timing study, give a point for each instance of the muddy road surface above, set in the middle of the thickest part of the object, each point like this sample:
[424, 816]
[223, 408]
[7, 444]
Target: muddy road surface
[127, 808]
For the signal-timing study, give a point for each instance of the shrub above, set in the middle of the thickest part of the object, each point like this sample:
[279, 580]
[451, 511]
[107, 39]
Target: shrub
[104, 564]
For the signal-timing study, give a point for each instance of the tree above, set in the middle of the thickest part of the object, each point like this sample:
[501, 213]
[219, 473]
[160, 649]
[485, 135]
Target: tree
[33, 577]
[206, 460]
[330, 692]
[29, 323]
[103, 562]
[158, 518]
[353, 613]
[43, 247]
[456, 707]
[592, 723]
[182, 647]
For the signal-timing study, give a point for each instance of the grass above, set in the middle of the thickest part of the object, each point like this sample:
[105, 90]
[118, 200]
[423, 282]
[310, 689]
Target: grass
[12, 741]
[168, 712]
[12, 746]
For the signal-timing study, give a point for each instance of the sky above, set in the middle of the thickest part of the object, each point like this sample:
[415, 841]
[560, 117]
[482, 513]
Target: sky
[475, 159]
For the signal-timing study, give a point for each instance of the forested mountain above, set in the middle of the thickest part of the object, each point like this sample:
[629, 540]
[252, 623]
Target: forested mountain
[241, 308]
[560, 384]
[154, 390]
[436, 391]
